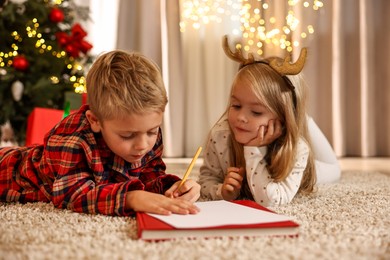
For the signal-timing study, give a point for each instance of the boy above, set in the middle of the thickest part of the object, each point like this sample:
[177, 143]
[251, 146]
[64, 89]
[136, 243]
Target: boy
[106, 157]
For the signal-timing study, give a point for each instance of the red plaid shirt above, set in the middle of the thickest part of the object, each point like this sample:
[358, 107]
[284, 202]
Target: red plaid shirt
[76, 170]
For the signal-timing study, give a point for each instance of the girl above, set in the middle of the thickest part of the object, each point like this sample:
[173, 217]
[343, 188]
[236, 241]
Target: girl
[261, 147]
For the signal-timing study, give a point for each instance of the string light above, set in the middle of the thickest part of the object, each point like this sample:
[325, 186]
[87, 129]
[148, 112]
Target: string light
[32, 32]
[198, 12]
[79, 85]
[255, 29]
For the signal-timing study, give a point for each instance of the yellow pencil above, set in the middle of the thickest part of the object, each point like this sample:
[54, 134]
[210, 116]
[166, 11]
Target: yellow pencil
[190, 167]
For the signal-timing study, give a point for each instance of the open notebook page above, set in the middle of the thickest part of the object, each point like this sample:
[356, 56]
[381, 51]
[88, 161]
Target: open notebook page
[220, 213]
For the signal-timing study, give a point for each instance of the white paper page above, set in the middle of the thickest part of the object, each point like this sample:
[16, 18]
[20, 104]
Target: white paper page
[219, 213]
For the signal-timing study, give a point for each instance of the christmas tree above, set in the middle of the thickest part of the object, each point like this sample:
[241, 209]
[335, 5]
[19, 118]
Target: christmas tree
[43, 54]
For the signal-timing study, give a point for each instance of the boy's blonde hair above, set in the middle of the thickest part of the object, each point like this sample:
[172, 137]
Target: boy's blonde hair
[121, 83]
[275, 94]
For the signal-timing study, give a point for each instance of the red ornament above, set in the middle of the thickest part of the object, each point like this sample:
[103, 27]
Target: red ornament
[56, 15]
[20, 63]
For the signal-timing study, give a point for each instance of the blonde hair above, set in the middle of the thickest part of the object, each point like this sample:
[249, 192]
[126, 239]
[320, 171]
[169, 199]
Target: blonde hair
[120, 83]
[276, 95]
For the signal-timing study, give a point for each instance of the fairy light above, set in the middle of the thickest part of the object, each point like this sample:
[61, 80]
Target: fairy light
[255, 28]
[2, 63]
[196, 13]
[54, 80]
[6, 58]
[31, 33]
[80, 85]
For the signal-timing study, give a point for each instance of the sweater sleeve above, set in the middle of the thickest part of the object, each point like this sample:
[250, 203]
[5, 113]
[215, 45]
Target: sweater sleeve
[82, 181]
[79, 189]
[211, 174]
[264, 189]
[154, 177]
[215, 162]
[78, 192]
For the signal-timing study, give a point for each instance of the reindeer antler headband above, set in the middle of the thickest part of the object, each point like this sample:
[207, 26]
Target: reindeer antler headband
[284, 69]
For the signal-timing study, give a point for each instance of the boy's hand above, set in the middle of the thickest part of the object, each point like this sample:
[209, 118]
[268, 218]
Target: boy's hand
[267, 134]
[232, 184]
[190, 190]
[150, 202]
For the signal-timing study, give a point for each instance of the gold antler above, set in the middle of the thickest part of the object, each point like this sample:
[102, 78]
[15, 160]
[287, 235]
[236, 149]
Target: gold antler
[237, 55]
[286, 68]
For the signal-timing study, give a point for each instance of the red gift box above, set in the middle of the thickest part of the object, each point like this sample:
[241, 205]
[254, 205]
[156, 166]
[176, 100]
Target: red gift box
[41, 121]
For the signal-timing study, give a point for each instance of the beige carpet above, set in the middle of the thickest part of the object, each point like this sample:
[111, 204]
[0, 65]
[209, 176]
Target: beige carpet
[347, 220]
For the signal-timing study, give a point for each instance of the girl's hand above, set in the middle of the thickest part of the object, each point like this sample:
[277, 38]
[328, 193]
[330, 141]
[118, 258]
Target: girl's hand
[267, 134]
[232, 184]
[190, 190]
[150, 202]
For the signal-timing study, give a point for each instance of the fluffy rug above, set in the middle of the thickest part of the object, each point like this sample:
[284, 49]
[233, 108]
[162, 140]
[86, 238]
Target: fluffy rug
[346, 220]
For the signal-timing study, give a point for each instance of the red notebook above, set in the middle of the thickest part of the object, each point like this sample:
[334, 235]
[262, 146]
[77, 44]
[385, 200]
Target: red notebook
[152, 228]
